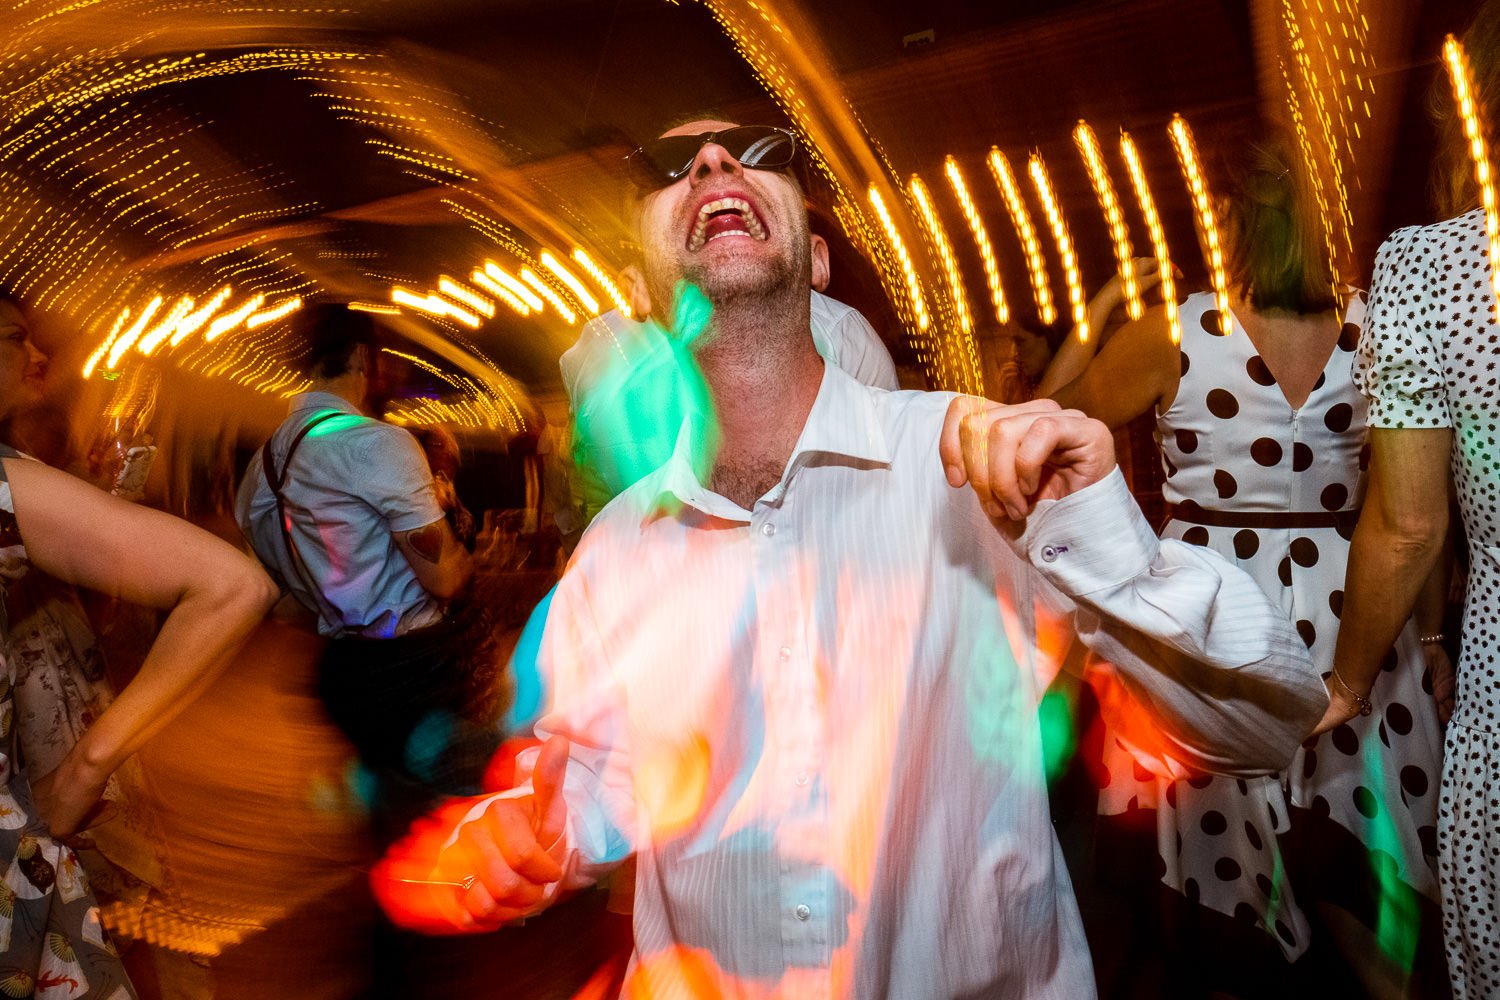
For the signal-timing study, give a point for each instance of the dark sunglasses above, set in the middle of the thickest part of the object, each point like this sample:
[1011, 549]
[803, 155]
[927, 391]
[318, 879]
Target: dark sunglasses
[665, 160]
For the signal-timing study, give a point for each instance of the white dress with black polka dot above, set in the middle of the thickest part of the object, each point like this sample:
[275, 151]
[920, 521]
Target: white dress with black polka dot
[1232, 443]
[1428, 360]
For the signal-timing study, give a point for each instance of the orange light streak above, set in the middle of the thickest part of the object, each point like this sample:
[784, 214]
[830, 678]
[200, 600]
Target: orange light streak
[1064, 240]
[1109, 204]
[546, 291]
[103, 348]
[602, 280]
[514, 286]
[939, 237]
[1154, 228]
[129, 337]
[1203, 211]
[465, 296]
[1463, 93]
[492, 286]
[981, 240]
[913, 286]
[283, 308]
[434, 305]
[375, 307]
[194, 321]
[149, 342]
[567, 277]
[1020, 217]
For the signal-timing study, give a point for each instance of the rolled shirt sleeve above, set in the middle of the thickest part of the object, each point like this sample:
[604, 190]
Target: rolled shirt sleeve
[1194, 641]
[1398, 364]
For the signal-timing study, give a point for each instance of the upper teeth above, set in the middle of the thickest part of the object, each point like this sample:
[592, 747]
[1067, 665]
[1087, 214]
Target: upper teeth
[747, 214]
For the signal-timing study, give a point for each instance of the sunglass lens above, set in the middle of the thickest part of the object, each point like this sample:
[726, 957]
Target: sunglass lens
[667, 158]
[759, 146]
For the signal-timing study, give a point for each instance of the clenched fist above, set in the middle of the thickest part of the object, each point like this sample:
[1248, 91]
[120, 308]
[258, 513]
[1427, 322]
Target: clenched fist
[1013, 456]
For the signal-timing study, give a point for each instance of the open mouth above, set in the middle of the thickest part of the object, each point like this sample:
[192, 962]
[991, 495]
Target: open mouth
[728, 216]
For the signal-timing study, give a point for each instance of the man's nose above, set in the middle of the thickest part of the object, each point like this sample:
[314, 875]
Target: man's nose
[712, 159]
[38, 356]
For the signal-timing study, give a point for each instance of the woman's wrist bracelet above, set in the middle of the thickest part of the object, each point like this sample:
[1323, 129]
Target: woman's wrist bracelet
[1362, 702]
[1433, 639]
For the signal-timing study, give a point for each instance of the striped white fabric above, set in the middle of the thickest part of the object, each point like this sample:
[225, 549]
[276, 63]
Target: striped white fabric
[814, 722]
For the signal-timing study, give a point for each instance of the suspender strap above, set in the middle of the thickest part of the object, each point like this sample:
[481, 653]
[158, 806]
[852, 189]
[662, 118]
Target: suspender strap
[277, 482]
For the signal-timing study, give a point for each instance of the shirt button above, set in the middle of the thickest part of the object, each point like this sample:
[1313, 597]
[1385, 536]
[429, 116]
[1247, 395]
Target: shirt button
[1049, 554]
[768, 529]
[786, 652]
[802, 778]
[803, 911]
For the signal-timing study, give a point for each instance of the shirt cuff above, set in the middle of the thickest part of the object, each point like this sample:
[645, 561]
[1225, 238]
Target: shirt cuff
[1093, 540]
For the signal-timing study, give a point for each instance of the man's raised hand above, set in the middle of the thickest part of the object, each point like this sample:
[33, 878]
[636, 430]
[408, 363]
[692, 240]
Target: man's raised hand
[1013, 456]
[478, 863]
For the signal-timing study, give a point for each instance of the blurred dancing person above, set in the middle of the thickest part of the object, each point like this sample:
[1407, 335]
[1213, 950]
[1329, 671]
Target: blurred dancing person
[780, 673]
[1427, 363]
[343, 508]
[50, 935]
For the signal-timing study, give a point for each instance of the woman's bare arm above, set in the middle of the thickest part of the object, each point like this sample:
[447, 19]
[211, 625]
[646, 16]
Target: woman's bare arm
[1136, 371]
[1398, 542]
[214, 594]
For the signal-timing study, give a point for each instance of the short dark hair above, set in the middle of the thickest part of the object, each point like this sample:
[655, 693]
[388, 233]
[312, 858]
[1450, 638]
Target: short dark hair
[330, 333]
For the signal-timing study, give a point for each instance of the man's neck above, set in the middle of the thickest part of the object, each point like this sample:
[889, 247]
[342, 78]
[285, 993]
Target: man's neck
[350, 388]
[763, 372]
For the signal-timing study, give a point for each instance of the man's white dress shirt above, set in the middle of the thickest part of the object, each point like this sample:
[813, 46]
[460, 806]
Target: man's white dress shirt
[814, 722]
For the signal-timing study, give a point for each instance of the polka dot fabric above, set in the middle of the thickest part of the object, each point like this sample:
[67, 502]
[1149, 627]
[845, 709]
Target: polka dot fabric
[1428, 360]
[1231, 442]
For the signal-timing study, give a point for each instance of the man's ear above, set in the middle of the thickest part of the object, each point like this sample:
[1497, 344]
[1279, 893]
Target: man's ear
[634, 284]
[820, 269]
[360, 360]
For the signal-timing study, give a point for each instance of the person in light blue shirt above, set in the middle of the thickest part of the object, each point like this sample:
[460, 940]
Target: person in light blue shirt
[341, 508]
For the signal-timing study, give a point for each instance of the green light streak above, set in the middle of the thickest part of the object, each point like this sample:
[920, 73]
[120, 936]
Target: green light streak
[627, 422]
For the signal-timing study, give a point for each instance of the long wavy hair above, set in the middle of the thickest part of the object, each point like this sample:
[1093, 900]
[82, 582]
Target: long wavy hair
[1276, 254]
[1454, 190]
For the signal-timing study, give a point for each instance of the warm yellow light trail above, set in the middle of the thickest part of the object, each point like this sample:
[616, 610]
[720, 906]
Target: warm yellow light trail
[939, 237]
[1109, 204]
[1154, 228]
[1020, 217]
[1064, 240]
[568, 278]
[465, 296]
[603, 280]
[546, 291]
[908, 271]
[229, 321]
[492, 286]
[1203, 212]
[1463, 93]
[129, 337]
[503, 278]
[981, 240]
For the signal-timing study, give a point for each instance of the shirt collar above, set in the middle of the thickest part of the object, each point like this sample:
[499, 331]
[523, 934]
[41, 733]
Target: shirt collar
[844, 424]
[319, 400]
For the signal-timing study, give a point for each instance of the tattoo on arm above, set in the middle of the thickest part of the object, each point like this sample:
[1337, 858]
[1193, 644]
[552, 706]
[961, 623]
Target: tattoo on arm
[428, 542]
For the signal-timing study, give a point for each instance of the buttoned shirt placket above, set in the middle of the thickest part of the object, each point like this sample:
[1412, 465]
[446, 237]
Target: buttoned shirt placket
[796, 737]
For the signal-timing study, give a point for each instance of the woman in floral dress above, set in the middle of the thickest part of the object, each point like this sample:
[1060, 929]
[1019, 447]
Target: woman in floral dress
[52, 944]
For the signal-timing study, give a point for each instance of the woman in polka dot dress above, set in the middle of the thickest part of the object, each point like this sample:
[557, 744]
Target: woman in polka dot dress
[1428, 364]
[1261, 433]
